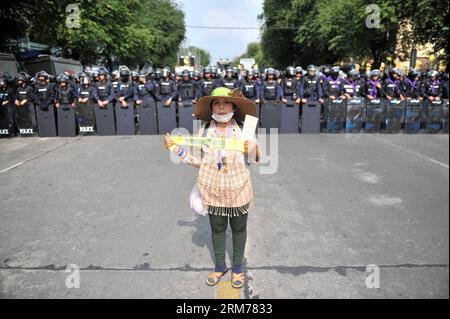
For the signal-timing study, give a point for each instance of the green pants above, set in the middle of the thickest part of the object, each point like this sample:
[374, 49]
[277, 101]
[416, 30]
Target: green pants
[219, 226]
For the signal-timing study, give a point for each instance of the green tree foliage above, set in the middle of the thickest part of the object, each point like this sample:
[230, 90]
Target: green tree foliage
[132, 32]
[325, 31]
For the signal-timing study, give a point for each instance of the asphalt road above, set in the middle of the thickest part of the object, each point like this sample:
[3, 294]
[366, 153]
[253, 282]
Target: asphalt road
[117, 208]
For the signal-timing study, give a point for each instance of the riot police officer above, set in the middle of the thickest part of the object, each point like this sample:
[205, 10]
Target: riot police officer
[310, 87]
[352, 85]
[270, 90]
[134, 77]
[85, 91]
[24, 93]
[6, 99]
[95, 76]
[392, 85]
[64, 93]
[432, 86]
[216, 78]
[166, 90]
[207, 84]
[115, 77]
[248, 86]
[412, 88]
[298, 73]
[374, 88]
[124, 90]
[289, 85]
[229, 81]
[103, 90]
[144, 90]
[187, 88]
[334, 86]
[43, 91]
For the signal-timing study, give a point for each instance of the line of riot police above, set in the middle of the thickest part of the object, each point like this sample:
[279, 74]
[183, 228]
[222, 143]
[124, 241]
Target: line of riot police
[126, 102]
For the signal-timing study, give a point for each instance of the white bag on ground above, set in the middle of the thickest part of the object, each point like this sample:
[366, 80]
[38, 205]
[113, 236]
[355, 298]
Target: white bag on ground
[195, 201]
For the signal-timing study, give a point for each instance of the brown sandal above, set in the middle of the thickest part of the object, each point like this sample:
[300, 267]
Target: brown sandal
[237, 280]
[214, 277]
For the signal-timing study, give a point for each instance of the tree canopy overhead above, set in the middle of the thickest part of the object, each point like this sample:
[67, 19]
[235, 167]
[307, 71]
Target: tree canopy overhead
[132, 32]
[326, 31]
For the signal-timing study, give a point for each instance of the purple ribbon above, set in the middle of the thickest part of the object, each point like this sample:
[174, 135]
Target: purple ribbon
[412, 83]
[374, 89]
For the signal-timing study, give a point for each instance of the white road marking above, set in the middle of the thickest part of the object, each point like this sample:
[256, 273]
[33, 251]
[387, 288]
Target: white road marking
[424, 157]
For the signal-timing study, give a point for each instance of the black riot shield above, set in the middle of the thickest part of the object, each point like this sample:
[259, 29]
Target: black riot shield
[66, 121]
[85, 118]
[6, 121]
[413, 115]
[394, 116]
[310, 121]
[434, 117]
[147, 118]
[23, 118]
[354, 115]
[290, 113]
[445, 116]
[46, 121]
[185, 118]
[271, 114]
[167, 117]
[373, 116]
[104, 120]
[125, 119]
[335, 115]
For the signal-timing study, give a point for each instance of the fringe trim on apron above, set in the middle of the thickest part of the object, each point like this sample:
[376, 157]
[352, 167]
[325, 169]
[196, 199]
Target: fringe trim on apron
[228, 211]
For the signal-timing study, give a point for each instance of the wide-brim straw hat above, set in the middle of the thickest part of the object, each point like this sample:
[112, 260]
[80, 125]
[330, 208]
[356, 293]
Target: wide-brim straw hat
[243, 106]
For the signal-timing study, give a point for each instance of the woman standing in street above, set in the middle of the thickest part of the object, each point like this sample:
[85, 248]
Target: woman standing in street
[223, 180]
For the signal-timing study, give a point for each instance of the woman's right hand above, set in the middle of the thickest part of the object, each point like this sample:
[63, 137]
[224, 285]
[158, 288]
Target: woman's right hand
[168, 141]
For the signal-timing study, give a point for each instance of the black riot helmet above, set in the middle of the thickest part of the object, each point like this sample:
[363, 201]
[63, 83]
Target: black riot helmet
[143, 76]
[433, 73]
[94, 75]
[213, 71]
[249, 73]
[207, 70]
[394, 73]
[413, 74]
[235, 72]
[134, 75]
[41, 74]
[229, 72]
[290, 71]
[298, 70]
[124, 72]
[375, 72]
[186, 75]
[158, 74]
[103, 71]
[196, 74]
[62, 78]
[311, 70]
[353, 73]
[22, 76]
[166, 72]
[270, 71]
[335, 71]
[85, 79]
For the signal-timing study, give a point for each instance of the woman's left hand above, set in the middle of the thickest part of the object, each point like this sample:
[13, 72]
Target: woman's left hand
[249, 146]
